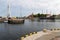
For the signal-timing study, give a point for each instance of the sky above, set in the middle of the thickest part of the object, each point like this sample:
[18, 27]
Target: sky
[27, 7]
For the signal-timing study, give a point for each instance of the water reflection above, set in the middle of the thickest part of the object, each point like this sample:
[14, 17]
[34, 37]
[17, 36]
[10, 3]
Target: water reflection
[43, 20]
[50, 20]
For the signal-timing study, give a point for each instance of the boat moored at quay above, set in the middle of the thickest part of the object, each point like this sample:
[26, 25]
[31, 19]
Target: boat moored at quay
[15, 21]
[12, 20]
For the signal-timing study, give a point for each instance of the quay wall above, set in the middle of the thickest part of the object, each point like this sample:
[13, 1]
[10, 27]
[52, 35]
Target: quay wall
[43, 35]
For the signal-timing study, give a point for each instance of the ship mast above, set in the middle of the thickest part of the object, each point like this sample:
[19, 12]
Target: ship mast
[8, 9]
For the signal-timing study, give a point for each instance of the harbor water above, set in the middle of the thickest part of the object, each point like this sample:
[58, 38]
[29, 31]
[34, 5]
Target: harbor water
[15, 31]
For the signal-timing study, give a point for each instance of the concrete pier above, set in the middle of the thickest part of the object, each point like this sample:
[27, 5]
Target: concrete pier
[44, 35]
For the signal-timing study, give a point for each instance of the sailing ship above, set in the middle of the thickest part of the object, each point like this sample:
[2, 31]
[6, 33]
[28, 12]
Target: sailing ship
[14, 20]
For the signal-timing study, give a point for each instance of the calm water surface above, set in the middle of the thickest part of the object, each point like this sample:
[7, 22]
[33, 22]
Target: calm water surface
[15, 31]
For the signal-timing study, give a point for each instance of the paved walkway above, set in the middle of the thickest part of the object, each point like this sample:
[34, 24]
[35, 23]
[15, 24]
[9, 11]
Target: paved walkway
[56, 38]
[49, 35]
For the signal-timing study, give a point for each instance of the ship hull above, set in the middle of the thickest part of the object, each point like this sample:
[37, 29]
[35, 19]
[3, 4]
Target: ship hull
[16, 21]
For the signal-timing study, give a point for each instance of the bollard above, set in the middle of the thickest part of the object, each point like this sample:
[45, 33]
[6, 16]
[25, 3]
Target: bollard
[30, 34]
[34, 32]
[58, 29]
[52, 29]
[55, 29]
[44, 30]
[22, 38]
[26, 35]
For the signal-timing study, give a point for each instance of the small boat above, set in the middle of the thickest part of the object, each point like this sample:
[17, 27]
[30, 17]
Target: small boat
[5, 21]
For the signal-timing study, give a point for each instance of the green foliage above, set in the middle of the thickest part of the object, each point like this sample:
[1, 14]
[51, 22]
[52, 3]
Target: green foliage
[40, 15]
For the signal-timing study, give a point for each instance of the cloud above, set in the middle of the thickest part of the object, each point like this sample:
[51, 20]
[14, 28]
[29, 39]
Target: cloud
[50, 4]
[37, 4]
[29, 6]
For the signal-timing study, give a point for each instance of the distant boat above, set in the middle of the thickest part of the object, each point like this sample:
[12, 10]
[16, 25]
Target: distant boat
[5, 21]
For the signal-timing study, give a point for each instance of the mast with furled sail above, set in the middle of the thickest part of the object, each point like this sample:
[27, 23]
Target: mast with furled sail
[8, 11]
[13, 20]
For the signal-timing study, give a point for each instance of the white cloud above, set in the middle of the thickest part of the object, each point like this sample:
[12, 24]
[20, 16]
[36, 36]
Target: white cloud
[51, 4]
[37, 4]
